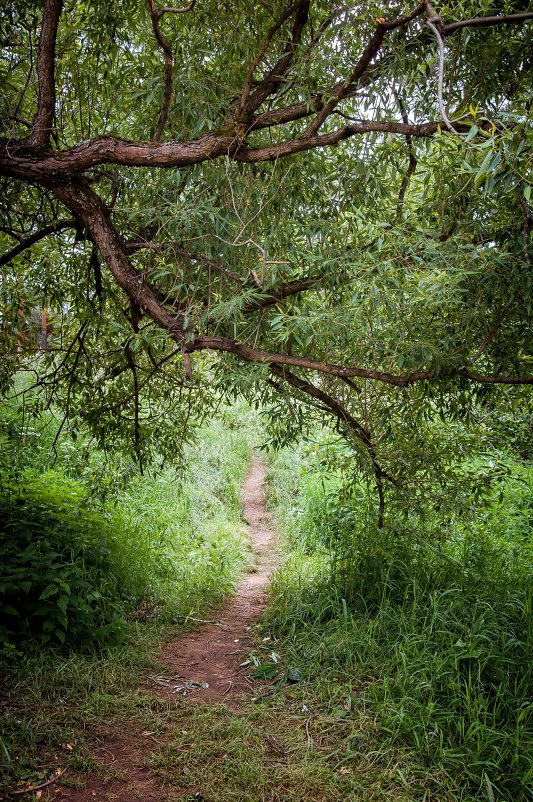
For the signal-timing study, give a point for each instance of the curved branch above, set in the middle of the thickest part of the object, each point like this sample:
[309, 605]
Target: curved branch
[170, 10]
[342, 414]
[434, 23]
[164, 44]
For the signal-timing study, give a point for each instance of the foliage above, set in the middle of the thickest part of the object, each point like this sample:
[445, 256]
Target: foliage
[434, 636]
[78, 555]
[243, 254]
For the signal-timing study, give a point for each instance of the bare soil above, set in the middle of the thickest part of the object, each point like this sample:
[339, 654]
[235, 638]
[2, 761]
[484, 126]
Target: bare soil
[196, 667]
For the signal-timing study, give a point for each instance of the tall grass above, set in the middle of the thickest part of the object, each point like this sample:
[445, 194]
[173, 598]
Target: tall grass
[433, 639]
[106, 557]
[79, 557]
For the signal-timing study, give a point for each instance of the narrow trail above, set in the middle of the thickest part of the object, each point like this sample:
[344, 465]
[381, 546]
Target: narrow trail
[195, 667]
[211, 657]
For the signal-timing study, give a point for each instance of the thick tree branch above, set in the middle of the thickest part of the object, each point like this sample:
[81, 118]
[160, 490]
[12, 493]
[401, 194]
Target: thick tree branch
[27, 243]
[44, 119]
[85, 203]
[15, 161]
[397, 380]
[300, 145]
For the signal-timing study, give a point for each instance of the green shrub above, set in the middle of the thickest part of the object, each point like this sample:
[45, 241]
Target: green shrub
[57, 582]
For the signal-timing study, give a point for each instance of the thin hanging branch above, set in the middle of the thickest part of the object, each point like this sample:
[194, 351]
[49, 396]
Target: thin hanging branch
[350, 423]
[434, 23]
[25, 244]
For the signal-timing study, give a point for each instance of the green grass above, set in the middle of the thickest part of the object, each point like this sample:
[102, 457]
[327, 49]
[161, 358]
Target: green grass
[76, 565]
[169, 545]
[433, 643]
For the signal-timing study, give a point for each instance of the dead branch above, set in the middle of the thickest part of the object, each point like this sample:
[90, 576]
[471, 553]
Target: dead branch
[41, 785]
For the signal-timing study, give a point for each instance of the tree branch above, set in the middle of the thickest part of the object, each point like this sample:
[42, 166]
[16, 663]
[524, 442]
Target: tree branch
[397, 380]
[250, 101]
[17, 163]
[165, 46]
[412, 163]
[44, 119]
[370, 51]
[477, 22]
[301, 9]
[161, 247]
[277, 294]
[170, 10]
[24, 244]
[85, 203]
[353, 426]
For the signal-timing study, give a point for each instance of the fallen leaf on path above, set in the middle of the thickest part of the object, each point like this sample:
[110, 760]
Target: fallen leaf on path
[293, 675]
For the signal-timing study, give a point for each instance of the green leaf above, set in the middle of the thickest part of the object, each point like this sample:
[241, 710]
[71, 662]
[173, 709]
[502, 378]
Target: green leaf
[293, 675]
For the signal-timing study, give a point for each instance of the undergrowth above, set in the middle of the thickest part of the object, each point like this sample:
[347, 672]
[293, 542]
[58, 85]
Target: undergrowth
[430, 638]
[95, 555]
[79, 558]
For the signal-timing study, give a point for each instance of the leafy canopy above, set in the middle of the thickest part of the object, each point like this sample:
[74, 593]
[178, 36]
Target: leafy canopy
[324, 207]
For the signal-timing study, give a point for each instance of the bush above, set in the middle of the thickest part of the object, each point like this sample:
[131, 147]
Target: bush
[59, 581]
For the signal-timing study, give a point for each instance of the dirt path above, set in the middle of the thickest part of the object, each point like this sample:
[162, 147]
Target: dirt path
[199, 666]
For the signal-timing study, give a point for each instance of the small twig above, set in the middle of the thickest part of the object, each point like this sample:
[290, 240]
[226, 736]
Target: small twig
[41, 785]
[309, 737]
[200, 620]
[228, 689]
